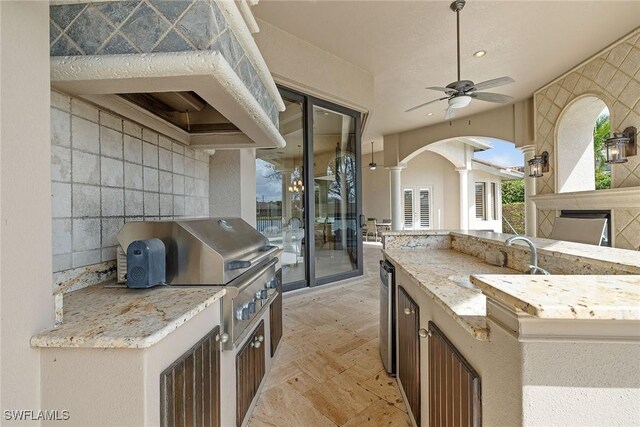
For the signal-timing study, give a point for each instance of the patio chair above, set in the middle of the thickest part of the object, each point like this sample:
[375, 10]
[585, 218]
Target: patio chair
[371, 230]
[292, 238]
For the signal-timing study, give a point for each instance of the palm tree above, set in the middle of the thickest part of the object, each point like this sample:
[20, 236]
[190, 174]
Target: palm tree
[600, 134]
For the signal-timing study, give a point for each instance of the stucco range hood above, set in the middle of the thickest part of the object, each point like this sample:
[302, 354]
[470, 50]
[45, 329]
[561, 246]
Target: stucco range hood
[123, 82]
[204, 84]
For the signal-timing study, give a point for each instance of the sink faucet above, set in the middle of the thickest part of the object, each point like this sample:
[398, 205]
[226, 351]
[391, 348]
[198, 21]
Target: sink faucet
[533, 266]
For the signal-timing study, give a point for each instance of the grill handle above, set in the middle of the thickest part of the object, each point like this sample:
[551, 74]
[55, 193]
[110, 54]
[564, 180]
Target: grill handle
[262, 255]
[238, 264]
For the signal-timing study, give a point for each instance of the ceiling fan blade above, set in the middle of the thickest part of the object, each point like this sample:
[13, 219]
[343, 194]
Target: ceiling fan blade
[450, 113]
[426, 103]
[491, 97]
[442, 89]
[488, 84]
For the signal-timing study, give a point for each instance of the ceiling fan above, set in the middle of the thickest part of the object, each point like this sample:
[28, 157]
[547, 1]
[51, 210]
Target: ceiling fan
[461, 92]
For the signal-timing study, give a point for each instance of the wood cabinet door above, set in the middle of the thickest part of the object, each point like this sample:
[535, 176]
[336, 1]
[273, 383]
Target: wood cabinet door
[275, 316]
[454, 386]
[190, 387]
[408, 341]
[250, 370]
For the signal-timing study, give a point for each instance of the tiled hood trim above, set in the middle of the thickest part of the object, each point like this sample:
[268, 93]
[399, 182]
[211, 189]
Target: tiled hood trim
[145, 26]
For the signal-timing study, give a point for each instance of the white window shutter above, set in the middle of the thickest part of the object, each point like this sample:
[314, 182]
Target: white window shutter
[408, 209]
[480, 201]
[425, 208]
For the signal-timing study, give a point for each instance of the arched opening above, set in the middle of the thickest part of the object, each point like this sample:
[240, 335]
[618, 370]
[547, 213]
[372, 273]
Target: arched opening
[581, 132]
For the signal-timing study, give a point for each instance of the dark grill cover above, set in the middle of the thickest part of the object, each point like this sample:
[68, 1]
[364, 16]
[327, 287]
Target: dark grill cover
[146, 263]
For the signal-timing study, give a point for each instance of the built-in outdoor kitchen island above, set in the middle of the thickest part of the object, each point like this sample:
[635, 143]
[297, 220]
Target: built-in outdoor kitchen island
[191, 350]
[486, 344]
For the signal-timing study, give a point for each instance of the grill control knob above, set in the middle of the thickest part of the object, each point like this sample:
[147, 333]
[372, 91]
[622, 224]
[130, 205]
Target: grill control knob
[252, 307]
[246, 315]
[272, 284]
[239, 314]
[264, 294]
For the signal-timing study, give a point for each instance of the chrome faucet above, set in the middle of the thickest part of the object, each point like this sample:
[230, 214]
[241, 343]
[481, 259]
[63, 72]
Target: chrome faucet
[533, 266]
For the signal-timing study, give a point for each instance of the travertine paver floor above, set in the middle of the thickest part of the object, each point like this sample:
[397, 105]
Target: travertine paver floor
[328, 371]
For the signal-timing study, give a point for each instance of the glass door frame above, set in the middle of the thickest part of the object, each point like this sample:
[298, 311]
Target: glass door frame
[308, 102]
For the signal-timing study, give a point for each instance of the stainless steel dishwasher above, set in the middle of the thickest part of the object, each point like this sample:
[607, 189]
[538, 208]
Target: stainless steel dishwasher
[388, 316]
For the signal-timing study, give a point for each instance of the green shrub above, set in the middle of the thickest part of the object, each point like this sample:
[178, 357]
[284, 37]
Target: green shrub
[513, 192]
[514, 213]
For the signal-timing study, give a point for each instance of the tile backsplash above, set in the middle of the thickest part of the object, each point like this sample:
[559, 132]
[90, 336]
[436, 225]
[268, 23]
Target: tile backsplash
[105, 171]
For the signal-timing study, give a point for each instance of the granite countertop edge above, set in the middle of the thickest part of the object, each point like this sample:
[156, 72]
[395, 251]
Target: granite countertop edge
[497, 287]
[481, 334]
[45, 339]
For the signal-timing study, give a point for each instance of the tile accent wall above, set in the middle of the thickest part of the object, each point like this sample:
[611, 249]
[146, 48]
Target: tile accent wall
[105, 171]
[145, 26]
[614, 77]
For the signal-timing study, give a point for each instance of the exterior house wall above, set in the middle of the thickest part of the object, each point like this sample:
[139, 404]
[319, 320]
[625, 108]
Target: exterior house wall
[376, 201]
[613, 75]
[106, 170]
[428, 169]
[431, 169]
[491, 222]
[26, 301]
[299, 65]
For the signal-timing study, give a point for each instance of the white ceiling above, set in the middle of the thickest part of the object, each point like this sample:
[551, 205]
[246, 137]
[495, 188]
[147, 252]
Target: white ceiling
[408, 45]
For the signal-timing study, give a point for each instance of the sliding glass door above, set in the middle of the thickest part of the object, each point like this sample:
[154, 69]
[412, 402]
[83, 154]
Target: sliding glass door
[336, 221]
[309, 195]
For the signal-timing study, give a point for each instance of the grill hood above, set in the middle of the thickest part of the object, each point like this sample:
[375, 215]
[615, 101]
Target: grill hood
[191, 71]
[211, 251]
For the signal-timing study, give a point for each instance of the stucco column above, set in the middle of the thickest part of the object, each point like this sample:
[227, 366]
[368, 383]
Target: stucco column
[396, 197]
[530, 214]
[464, 198]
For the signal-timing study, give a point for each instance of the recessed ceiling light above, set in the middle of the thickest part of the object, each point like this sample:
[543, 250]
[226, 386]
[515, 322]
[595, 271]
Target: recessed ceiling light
[429, 114]
[480, 53]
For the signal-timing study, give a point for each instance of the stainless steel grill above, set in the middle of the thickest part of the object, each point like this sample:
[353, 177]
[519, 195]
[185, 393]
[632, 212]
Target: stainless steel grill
[211, 251]
[217, 252]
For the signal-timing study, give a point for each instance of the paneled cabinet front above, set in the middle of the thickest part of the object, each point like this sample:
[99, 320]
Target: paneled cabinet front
[454, 386]
[408, 341]
[190, 387]
[250, 369]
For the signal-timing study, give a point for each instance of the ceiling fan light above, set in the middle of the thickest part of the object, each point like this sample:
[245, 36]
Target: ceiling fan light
[459, 101]
[373, 166]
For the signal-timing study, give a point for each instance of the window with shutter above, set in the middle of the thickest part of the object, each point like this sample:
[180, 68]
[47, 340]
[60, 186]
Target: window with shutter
[425, 208]
[408, 209]
[481, 212]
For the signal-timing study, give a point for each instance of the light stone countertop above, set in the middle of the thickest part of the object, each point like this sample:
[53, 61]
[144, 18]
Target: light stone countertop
[566, 297]
[104, 316]
[417, 233]
[627, 260]
[567, 250]
[438, 271]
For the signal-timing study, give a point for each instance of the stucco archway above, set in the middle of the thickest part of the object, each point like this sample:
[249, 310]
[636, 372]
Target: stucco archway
[458, 151]
[575, 161]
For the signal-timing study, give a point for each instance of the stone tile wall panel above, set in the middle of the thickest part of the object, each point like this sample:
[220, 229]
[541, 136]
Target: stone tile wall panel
[613, 76]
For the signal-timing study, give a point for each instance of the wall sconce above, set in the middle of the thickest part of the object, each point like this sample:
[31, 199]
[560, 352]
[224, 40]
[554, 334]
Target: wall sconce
[621, 145]
[539, 164]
